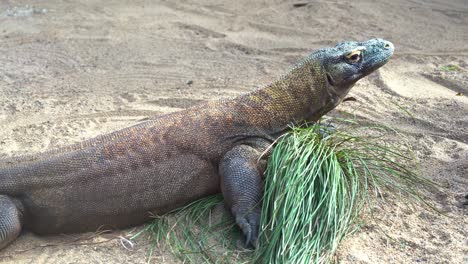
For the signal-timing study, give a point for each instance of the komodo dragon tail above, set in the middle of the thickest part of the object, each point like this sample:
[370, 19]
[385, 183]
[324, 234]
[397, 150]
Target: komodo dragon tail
[11, 210]
[10, 220]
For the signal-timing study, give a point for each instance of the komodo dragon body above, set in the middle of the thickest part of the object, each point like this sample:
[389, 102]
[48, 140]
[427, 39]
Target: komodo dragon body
[164, 163]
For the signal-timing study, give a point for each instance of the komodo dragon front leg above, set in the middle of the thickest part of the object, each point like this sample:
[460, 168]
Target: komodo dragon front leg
[241, 184]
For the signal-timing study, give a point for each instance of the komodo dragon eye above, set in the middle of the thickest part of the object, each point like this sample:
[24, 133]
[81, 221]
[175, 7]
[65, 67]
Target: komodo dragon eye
[354, 56]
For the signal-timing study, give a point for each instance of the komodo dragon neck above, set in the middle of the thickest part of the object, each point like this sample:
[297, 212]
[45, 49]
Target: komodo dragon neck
[302, 95]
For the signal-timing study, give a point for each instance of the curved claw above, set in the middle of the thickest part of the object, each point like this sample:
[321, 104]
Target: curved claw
[249, 225]
[247, 230]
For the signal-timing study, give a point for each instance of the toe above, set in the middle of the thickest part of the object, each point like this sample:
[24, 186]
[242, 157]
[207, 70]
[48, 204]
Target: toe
[249, 225]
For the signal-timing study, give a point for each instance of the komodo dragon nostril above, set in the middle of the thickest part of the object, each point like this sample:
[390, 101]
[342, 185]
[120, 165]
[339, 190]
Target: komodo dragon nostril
[387, 46]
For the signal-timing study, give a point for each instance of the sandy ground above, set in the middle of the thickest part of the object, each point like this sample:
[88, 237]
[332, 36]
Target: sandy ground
[71, 70]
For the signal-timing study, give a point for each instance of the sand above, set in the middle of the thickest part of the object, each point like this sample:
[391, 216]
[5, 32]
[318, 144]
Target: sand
[72, 70]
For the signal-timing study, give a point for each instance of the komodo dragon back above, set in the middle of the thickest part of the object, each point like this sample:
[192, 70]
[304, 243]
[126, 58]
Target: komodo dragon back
[120, 179]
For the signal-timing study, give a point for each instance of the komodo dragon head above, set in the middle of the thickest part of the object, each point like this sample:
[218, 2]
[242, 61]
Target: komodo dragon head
[321, 81]
[348, 62]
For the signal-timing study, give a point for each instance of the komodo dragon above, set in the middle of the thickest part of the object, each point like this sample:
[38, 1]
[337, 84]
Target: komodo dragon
[173, 159]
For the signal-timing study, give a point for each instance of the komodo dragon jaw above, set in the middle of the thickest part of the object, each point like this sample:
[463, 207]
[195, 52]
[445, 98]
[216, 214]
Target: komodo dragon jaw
[172, 160]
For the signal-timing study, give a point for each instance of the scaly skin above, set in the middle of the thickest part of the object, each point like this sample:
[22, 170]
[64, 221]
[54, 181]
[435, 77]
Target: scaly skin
[162, 164]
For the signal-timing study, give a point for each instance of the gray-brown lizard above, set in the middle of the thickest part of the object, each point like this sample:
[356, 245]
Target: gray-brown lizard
[167, 162]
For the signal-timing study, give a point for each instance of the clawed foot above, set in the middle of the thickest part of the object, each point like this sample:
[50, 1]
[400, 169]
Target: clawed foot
[249, 224]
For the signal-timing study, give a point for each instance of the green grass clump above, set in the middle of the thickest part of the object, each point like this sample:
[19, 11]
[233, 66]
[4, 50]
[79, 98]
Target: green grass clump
[310, 199]
[195, 234]
[316, 184]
